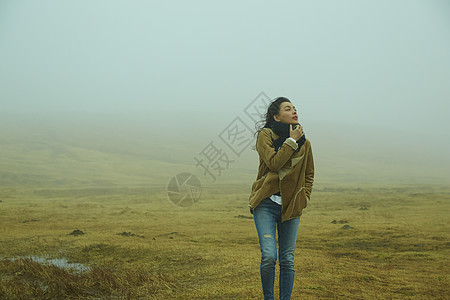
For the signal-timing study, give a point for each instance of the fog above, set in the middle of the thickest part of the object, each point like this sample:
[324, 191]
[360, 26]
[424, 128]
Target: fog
[159, 80]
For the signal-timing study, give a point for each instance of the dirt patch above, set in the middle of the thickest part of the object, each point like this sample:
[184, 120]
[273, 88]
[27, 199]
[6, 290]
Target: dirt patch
[347, 227]
[339, 222]
[243, 217]
[129, 234]
[30, 220]
[170, 235]
[76, 232]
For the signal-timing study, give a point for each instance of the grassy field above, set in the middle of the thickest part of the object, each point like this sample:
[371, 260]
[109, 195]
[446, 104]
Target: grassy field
[105, 178]
[354, 242]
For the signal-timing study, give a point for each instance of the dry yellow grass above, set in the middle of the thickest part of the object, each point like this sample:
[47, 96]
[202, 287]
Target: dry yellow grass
[397, 248]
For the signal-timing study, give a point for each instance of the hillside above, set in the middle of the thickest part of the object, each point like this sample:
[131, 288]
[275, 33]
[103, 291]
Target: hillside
[112, 150]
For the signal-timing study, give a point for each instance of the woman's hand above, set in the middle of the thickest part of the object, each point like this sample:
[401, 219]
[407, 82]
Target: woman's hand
[296, 133]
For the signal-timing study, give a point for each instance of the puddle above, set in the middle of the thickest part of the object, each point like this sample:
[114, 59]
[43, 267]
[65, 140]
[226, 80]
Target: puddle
[58, 262]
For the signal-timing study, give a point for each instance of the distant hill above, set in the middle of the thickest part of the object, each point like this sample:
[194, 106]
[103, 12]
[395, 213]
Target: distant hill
[122, 150]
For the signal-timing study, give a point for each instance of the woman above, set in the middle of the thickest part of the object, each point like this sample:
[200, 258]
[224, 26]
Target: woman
[281, 191]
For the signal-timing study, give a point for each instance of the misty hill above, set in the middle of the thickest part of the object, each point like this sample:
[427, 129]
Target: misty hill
[123, 150]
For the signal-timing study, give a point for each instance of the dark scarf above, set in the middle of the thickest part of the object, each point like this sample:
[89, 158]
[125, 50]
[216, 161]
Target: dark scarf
[283, 130]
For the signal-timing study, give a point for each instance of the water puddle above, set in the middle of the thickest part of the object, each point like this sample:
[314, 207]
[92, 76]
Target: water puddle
[62, 263]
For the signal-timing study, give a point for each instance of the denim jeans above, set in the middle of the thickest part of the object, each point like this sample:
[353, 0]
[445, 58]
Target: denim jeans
[267, 217]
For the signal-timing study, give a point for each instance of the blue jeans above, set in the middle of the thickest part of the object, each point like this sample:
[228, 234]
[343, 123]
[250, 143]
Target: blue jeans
[267, 217]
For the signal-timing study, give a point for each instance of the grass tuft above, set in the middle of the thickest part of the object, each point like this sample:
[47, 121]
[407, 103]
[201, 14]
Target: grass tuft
[31, 279]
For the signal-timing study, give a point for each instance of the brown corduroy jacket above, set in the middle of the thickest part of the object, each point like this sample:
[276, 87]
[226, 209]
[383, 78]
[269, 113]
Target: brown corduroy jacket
[290, 173]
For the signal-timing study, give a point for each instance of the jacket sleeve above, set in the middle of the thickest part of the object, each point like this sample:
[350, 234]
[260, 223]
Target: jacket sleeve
[274, 160]
[309, 174]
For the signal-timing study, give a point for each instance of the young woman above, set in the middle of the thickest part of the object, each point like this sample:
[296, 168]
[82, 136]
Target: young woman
[280, 192]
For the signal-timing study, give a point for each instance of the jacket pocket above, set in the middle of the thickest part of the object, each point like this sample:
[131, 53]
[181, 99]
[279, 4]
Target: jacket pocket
[301, 200]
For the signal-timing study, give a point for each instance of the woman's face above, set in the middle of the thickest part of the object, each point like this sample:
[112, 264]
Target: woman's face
[288, 114]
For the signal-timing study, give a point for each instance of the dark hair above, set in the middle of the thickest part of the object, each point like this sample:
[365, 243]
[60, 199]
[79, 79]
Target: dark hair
[272, 110]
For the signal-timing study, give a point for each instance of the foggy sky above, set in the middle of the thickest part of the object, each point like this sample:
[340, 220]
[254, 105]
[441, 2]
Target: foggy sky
[358, 62]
